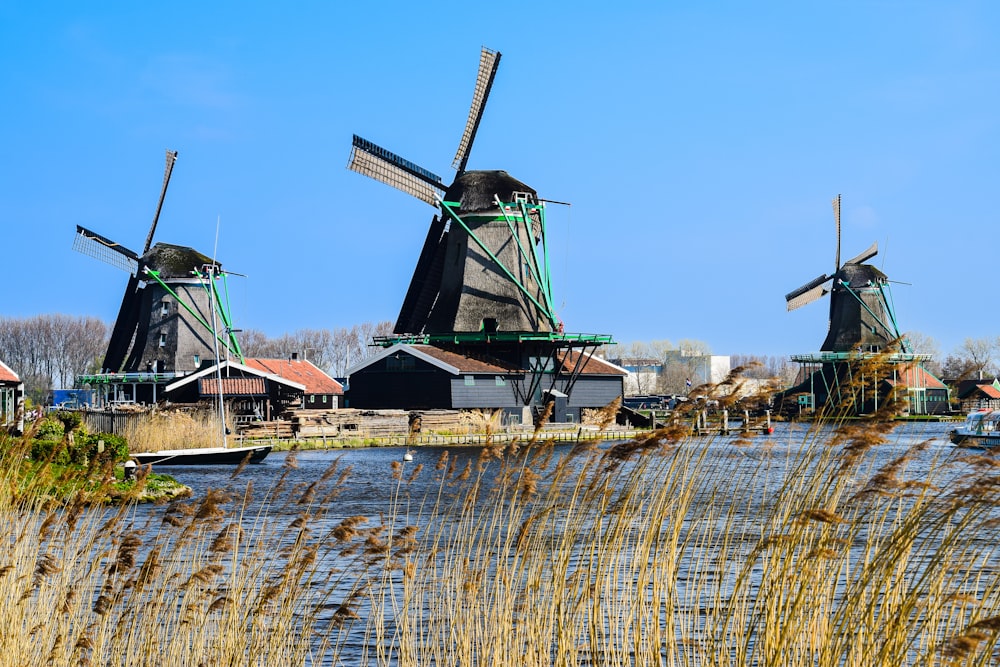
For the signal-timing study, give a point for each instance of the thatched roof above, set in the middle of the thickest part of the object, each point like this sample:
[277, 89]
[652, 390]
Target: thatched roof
[475, 190]
[175, 261]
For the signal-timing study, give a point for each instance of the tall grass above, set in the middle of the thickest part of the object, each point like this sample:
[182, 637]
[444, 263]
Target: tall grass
[175, 429]
[664, 550]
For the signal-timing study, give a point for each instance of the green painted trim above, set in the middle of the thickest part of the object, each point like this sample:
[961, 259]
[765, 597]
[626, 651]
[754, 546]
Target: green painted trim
[202, 322]
[565, 339]
[874, 316]
[455, 217]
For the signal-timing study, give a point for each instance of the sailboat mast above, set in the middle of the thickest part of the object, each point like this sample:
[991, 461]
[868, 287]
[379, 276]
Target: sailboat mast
[215, 340]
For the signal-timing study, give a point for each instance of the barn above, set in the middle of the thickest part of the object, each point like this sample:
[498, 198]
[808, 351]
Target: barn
[424, 377]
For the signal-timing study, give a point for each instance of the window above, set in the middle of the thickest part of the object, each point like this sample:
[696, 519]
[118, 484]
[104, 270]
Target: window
[400, 362]
[163, 340]
[197, 360]
[500, 381]
[164, 308]
[324, 399]
[470, 381]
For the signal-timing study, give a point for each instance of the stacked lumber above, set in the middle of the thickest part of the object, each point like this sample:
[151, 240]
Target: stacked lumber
[280, 429]
[350, 422]
[437, 421]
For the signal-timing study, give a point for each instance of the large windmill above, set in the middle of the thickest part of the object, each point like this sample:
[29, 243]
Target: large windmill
[484, 263]
[164, 321]
[482, 285]
[864, 356]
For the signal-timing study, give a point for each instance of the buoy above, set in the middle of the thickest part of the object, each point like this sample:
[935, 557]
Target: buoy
[408, 456]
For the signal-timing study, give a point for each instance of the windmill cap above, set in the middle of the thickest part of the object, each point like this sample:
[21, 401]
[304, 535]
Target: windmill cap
[858, 276]
[475, 190]
[175, 261]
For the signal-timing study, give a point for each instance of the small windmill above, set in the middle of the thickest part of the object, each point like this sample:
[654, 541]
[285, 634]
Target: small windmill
[861, 315]
[483, 264]
[163, 321]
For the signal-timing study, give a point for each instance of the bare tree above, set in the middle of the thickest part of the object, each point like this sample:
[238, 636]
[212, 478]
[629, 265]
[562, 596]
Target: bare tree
[334, 351]
[922, 344]
[972, 360]
[49, 351]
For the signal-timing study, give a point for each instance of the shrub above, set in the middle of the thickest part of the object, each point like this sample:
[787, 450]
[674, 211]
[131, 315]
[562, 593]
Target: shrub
[99, 448]
[53, 451]
[50, 428]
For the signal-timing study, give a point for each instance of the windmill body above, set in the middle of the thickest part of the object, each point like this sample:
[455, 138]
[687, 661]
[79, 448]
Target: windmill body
[860, 317]
[473, 292]
[170, 336]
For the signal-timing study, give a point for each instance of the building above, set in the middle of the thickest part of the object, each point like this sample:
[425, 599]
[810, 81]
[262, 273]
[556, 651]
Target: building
[423, 377]
[643, 374]
[978, 395]
[248, 391]
[321, 392]
[11, 400]
[924, 393]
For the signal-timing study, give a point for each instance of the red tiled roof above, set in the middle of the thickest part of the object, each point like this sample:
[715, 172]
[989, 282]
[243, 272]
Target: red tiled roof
[298, 370]
[989, 390]
[917, 377]
[466, 364]
[591, 365]
[232, 386]
[7, 375]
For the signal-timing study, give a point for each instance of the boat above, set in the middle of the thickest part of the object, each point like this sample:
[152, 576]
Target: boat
[980, 429]
[203, 456]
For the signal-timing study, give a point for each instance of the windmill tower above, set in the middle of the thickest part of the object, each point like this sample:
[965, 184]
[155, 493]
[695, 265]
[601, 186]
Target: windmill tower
[481, 285]
[862, 328]
[163, 324]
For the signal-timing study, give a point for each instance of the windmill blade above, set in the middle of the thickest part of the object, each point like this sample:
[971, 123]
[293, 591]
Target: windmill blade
[387, 167]
[836, 217]
[865, 256]
[94, 245]
[807, 297]
[489, 61]
[808, 293]
[171, 158]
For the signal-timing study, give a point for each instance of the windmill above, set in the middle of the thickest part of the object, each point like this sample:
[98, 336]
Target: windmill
[163, 321]
[483, 264]
[861, 315]
[481, 286]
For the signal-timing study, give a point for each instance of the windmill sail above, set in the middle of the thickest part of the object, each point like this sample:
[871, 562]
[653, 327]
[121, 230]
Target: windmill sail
[489, 61]
[866, 255]
[387, 167]
[99, 247]
[171, 158]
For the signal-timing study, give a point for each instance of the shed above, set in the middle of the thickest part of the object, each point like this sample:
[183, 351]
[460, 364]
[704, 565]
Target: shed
[321, 392]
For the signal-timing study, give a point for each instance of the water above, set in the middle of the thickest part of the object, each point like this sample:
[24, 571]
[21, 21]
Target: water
[370, 489]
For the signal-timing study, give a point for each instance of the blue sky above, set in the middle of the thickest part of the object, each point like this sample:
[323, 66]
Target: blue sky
[700, 145]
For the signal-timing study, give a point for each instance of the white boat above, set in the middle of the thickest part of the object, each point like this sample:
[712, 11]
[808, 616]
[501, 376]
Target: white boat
[203, 456]
[980, 429]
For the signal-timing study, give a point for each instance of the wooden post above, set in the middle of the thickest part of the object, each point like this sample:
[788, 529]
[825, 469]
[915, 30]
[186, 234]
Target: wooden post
[725, 422]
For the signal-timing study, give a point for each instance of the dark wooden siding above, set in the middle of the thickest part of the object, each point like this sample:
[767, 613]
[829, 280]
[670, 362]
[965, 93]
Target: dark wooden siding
[484, 394]
[420, 387]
